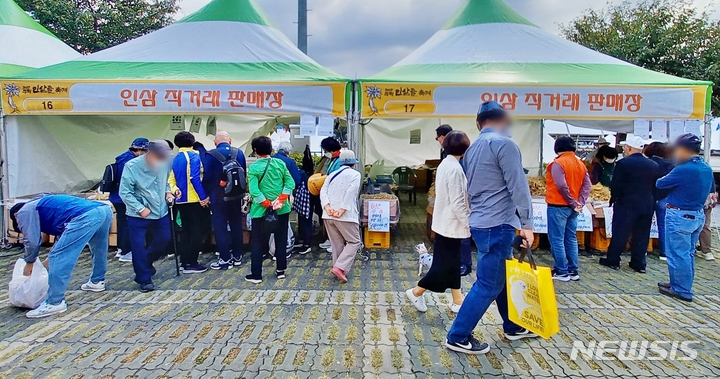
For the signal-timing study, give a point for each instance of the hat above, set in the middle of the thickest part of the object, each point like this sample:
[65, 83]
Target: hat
[490, 106]
[602, 141]
[635, 142]
[689, 141]
[160, 147]
[347, 157]
[139, 144]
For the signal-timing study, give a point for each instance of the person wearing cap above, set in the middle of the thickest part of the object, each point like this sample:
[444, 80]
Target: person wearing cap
[77, 222]
[270, 185]
[192, 201]
[500, 204]
[598, 145]
[339, 200]
[145, 191]
[137, 148]
[568, 187]
[688, 186]
[632, 196]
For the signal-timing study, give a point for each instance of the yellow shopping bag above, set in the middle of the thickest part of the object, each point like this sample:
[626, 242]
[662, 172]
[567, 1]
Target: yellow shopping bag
[531, 296]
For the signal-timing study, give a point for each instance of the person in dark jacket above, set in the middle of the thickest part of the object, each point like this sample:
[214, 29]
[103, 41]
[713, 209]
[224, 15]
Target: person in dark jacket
[224, 213]
[659, 153]
[632, 194]
[302, 205]
[137, 148]
[603, 165]
[441, 132]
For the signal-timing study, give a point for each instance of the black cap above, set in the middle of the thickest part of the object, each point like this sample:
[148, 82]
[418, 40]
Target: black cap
[689, 141]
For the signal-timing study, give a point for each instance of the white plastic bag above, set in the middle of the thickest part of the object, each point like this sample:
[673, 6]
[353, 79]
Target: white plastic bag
[28, 291]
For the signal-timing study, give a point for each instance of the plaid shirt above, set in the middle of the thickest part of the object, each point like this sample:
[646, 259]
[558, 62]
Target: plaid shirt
[301, 203]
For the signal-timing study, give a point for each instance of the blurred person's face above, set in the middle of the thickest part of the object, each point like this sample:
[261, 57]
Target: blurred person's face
[440, 140]
[155, 161]
[683, 154]
[500, 125]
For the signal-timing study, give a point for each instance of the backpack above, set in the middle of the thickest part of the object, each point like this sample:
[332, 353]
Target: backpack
[233, 175]
[111, 180]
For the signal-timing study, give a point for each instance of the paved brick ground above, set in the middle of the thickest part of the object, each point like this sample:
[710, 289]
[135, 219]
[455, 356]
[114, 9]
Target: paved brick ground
[215, 325]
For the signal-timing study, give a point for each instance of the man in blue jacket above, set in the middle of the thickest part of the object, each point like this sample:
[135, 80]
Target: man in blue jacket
[78, 222]
[689, 185]
[137, 148]
[224, 213]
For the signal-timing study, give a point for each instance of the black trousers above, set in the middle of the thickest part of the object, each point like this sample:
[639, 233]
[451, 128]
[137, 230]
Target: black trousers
[193, 217]
[260, 238]
[123, 236]
[629, 222]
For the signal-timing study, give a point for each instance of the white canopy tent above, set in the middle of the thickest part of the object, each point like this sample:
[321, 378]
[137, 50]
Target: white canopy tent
[486, 52]
[225, 67]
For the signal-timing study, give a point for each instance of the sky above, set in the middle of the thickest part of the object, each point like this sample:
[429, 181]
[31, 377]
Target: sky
[358, 38]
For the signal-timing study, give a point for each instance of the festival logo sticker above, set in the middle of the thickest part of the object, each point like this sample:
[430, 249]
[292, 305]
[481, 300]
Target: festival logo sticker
[373, 93]
[12, 90]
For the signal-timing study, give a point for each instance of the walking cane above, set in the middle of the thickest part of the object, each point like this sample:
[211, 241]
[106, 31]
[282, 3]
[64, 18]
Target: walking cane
[171, 204]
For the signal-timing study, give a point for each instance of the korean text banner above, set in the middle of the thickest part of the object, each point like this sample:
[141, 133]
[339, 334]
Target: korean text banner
[69, 97]
[535, 102]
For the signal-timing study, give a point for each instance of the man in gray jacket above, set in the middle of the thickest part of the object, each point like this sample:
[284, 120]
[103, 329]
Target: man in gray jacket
[499, 204]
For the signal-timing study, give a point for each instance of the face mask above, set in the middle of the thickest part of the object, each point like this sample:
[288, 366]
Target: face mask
[609, 160]
[440, 144]
[328, 155]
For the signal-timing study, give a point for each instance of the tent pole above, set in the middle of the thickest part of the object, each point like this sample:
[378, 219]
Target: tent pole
[4, 190]
[353, 119]
[542, 146]
[707, 138]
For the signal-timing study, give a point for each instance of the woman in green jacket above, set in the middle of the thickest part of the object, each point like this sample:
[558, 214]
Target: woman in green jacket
[270, 185]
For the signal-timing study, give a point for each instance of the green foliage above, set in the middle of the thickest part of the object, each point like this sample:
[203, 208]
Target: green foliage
[668, 36]
[298, 158]
[92, 25]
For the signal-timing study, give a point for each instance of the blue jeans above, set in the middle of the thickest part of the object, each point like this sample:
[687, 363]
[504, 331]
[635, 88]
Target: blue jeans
[494, 248]
[90, 228]
[466, 252]
[562, 233]
[144, 256]
[660, 211]
[226, 213]
[682, 234]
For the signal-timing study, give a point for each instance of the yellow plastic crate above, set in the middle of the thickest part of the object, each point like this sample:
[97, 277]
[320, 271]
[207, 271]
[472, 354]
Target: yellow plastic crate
[377, 240]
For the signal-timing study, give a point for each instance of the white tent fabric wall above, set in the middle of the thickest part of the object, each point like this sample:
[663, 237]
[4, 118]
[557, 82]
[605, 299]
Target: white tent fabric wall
[389, 139]
[69, 153]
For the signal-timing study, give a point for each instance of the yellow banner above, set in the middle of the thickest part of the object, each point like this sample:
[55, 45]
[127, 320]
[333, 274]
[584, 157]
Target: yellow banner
[408, 100]
[69, 97]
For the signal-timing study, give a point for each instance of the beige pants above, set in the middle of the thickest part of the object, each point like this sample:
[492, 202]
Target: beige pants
[345, 240]
[706, 234]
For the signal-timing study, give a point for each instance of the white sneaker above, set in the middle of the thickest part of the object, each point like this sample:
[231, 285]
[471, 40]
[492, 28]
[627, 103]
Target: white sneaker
[325, 245]
[455, 308]
[706, 256]
[125, 258]
[118, 253]
[46, 310]
[329, 250]
[417, 301]
[93, 287]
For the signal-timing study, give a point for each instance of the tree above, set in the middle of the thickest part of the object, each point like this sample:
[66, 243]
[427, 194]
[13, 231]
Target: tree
[668, 36]
[92, 25]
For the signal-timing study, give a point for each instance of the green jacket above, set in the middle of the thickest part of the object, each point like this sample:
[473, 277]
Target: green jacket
[277, 181]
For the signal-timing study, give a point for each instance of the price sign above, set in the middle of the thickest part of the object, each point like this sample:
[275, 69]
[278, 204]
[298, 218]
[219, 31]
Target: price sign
[379, 216]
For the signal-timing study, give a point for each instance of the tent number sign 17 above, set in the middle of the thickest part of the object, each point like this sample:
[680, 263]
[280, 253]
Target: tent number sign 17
[378, 216]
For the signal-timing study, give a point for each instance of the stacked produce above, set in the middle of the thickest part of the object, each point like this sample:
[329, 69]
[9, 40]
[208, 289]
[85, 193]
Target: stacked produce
[538, 186]
[600, 193]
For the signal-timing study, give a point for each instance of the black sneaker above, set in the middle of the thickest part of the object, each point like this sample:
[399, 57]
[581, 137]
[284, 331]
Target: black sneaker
[465, 270]
[221, 264]
[251, 279]
[280, 274]
[662, 256]
[472, 346]
[236, 261]
[574, 276]
[560, 277]
[606, 263]
[147, 287]
[194, 269]
[522, 333]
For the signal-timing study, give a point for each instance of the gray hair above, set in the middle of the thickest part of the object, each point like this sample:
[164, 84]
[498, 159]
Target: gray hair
[285, 146]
